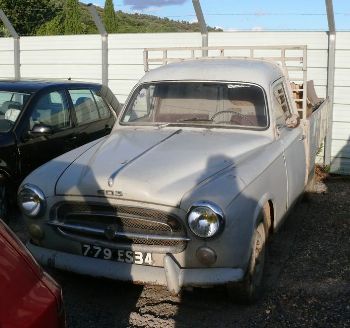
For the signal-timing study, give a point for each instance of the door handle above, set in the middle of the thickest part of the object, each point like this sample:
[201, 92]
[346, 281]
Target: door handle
[302, 137]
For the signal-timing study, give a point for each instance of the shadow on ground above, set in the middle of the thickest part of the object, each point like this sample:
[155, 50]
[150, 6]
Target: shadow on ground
[307, 281]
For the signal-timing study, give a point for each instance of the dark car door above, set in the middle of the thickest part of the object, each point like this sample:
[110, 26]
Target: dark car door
[93, 116]
[47, 131]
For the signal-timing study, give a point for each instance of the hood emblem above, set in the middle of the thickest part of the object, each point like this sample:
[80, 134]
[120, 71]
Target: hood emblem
[115, 193]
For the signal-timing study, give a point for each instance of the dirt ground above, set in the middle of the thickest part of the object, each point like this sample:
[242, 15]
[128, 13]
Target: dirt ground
[307, 280]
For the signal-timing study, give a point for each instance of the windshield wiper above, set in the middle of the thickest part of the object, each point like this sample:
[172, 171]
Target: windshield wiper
[195, 119]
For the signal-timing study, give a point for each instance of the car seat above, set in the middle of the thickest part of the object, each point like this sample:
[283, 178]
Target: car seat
[13, 111]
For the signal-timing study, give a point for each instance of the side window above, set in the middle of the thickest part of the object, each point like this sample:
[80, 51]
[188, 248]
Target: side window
[85, 107]
[103, 109]
[52, 110]
[281, 105]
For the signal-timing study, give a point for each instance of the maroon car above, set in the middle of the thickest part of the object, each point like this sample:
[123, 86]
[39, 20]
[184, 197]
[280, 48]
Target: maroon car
[29, 297]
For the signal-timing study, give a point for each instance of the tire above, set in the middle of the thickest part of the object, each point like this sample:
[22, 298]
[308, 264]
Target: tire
[249, 290]
[4, 208]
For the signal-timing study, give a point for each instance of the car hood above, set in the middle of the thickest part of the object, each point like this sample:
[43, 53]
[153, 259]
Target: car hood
[155, 165]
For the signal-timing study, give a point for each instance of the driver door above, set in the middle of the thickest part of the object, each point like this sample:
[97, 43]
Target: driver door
[50, 110]
[293, 142]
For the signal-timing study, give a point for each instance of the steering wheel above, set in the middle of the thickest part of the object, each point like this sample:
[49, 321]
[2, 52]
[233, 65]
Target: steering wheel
[225, 116]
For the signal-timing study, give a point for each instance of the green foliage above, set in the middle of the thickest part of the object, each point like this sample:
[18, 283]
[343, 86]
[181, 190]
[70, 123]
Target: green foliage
[53, 27]
[27, 15]
[109, 17]
[72, 18]
[57, 25]
[56, 17]
[139, 23]
[3, 31]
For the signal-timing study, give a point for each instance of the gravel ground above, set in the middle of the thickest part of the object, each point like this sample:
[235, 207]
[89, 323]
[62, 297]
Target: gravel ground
[307, 280]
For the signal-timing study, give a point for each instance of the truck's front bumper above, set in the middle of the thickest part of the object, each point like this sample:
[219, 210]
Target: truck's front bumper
[171, 275]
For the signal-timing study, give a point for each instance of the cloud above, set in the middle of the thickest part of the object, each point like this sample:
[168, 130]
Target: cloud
[230, 29]
[257, 28]
[149, 10]
[143, 4]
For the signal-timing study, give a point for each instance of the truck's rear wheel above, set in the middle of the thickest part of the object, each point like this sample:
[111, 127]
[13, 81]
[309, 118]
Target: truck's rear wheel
[248, 290]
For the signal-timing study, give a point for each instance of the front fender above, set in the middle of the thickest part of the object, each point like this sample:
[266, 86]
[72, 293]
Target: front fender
[221, 189]
[45, 176]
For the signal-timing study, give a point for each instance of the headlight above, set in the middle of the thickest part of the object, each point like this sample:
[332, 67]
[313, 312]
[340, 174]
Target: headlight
[31, 200]
[205, 219]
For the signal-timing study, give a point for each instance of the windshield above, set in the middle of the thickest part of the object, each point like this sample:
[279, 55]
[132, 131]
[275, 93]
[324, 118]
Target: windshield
[197, 103]
[11, 104]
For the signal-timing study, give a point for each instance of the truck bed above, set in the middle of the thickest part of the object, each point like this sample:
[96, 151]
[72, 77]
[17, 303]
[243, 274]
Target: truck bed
[315, 127]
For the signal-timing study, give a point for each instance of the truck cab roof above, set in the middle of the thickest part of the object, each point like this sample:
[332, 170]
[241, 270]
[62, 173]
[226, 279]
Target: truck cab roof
[245, 70]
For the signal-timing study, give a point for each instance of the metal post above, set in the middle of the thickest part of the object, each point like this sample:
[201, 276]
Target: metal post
[202, 25]
[104, 37]
[330, 80]
[16, 45]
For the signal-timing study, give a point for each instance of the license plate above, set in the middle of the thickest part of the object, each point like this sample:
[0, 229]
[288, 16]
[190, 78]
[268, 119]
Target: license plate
[119, 255]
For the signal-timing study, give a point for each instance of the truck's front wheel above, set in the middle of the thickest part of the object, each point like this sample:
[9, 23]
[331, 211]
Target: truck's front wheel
[248, 290]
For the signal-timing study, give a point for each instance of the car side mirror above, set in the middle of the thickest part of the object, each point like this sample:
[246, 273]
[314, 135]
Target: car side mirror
[40, 130]
[293, 121]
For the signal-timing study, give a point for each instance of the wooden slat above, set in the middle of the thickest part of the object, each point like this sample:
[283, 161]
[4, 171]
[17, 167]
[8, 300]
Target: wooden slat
[255, 52]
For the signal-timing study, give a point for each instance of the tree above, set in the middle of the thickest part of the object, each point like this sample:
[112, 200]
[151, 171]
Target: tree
[27, 15]
[53, 27]
[3, 31]
[56, 26]
[109, 17]
[72, 18]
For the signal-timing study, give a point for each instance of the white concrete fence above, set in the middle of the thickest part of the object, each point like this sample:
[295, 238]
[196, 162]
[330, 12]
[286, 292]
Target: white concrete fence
[79, 57]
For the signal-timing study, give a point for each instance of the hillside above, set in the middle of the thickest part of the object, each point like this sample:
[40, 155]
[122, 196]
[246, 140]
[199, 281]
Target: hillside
[126, 23]
[141, 23]
[50, 17]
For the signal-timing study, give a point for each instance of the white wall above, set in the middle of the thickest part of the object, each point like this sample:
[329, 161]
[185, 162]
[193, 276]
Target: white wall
[126, 56]
[341, 114]
[79, 57]
[6, 58]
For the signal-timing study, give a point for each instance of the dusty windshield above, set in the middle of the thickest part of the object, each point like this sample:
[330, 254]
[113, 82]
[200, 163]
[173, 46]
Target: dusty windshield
[197, 103]
[11, 105]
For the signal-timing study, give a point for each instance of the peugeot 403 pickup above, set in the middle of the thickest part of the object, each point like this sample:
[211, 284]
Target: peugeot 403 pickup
[206, 159]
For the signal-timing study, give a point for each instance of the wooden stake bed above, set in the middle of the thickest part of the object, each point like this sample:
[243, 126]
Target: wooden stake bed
[292, 59]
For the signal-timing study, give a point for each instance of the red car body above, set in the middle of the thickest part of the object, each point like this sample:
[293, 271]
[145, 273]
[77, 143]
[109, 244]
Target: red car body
[28, 296]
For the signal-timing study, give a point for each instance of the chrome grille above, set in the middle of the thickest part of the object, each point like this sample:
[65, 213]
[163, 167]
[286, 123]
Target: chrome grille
[132, 225]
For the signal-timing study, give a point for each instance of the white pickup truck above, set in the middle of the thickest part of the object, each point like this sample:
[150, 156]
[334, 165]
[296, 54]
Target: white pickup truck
[206, 159]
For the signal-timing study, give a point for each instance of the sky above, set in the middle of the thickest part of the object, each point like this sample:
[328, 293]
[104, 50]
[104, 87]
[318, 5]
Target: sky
[231, 15]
